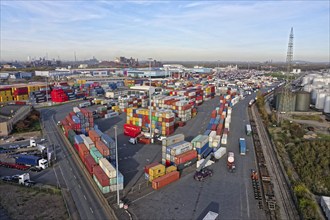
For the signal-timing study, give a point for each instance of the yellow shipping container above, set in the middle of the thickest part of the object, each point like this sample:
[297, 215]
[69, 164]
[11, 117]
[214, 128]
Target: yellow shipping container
[156, 170]
[6, 93]
[170, 169]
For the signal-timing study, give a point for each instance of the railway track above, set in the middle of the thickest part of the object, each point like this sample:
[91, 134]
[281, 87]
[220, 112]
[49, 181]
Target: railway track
[275, 190]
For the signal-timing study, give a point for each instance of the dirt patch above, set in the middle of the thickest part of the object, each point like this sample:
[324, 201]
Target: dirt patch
[31, 203]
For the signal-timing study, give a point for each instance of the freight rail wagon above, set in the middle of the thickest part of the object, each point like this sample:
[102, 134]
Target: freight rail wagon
[242, 146]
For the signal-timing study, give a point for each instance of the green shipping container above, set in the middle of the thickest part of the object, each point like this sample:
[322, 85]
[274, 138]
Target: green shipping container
[71, 135]
[95, 154]
[105, 189]
[193, 142]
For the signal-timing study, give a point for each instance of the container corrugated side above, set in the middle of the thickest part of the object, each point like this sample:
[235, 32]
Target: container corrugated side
[101, 176]
[173, 140]
[104, 189]
[107, 167]
[165, 180]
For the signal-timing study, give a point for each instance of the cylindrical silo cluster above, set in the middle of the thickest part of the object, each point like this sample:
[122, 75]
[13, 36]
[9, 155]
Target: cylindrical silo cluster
[319, 87]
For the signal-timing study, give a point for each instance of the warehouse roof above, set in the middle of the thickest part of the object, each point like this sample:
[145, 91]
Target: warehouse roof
[8, 110]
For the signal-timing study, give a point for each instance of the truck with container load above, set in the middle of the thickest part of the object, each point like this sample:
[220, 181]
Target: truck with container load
[31, 160]
[231, 162]
[84, 104]
[248, 130]
[242, 146]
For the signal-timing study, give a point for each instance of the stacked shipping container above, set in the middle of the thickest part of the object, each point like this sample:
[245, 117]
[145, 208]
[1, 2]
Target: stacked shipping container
[162, 120]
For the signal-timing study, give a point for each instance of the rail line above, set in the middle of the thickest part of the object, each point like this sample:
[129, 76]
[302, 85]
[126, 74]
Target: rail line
[274, 187]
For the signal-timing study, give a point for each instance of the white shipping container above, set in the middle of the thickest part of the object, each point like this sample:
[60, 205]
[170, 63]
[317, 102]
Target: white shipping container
[173, 140]
[76, 109]
[212, 135]
[181, 148]
[107, 167]
[208, 163]
[202, 141]
[216, 140]
[228, 119]
[224, 139]
[227, 125]
[88, 142]
[220, 152]
[114, 187]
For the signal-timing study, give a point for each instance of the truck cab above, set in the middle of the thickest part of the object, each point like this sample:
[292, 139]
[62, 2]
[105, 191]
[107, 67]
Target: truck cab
[133, 140]
[231, 162]
[43, 164]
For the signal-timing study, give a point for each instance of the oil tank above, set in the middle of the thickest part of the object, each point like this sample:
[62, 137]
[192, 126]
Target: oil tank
[326, 109]
[320, 98]
[305, 81]
[308, 88]
[280, 105]
[303, 100]
[314, 93]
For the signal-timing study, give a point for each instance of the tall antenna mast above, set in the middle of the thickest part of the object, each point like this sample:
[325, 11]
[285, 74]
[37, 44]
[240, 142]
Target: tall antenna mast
[286, 102]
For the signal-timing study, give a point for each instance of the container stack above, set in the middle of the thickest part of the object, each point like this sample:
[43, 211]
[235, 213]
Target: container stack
[6, 95]
[209, 92]
[80, 120]
[38, 96]
[201, 145]
[20, 93]
[58, 95]
[162, 120]
[172, 148]
[95, 151]
[183, 110]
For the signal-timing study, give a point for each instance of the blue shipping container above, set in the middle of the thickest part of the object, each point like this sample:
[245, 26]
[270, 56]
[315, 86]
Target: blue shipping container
[242, 146]
[200, 150]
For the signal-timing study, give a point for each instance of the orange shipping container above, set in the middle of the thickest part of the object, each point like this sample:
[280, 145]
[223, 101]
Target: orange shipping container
[104, 150]
[83, 151]
[182, 158]
[165, 180]
[94, 136]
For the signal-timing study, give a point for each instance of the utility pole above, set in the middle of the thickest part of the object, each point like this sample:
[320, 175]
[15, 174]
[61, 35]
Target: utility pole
[150, 117]
[117, 170]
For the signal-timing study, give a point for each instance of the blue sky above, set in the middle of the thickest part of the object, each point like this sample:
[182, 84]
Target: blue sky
[165, 30]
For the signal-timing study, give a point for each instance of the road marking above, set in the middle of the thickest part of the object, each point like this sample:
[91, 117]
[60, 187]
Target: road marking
[91, 209]
[143, 197]
[85, 197]
[79, 186]
[247, 202]
[74, 176]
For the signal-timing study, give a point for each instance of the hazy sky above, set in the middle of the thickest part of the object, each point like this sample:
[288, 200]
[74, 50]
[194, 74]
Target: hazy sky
[165, 30]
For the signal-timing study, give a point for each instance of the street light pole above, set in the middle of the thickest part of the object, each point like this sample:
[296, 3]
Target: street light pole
[117, 170]
[150, 118]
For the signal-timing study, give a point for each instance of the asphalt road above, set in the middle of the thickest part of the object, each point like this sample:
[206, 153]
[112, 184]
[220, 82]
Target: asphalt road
[69, 175]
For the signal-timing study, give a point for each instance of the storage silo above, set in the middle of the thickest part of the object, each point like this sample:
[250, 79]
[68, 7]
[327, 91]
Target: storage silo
[303, 100]
[305, 81]
[320, 98]
[280, 102]
[326, 108]
[308, 88]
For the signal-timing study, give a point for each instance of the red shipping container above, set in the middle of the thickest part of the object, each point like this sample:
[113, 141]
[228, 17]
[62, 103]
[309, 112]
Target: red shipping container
[214, 114]
[103, 179]
[131, 130]
[20, 103]
[165, 180]
[147, 167]
[104, 150]
[214, 127]
[76, 147]
[90, 163]
[83, 150]
[182, 158]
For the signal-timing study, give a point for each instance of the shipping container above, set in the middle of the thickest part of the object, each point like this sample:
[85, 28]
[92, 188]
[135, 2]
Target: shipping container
[101, 176]
[248, 130]
[173, 140]
[95, 154]
[90, 163]
[107, 167]
[165, 180]
[186, 164]
[103, 149]
[147, 167]
[187, 156]
[242, 146]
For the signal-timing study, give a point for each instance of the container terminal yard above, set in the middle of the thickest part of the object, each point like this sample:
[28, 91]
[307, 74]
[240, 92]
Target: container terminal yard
[181, 147]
